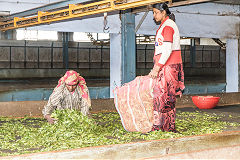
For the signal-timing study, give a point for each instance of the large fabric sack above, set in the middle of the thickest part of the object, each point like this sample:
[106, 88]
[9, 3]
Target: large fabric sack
[134, 103]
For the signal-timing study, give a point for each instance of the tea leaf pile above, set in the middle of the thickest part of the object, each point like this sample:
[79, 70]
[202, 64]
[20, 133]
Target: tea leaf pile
[74, 130]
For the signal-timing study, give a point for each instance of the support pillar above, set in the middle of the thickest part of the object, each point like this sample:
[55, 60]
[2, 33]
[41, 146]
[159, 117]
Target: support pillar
[128, 47]
[65, 40]
[115, 62]
[123, 53]
[232, 65]
[193, 52]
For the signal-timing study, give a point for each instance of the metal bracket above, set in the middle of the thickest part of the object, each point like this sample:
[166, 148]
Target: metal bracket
[141, 21]
[220, 43]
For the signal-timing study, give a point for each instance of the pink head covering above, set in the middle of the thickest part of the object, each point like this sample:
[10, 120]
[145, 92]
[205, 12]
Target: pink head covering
[72, 78]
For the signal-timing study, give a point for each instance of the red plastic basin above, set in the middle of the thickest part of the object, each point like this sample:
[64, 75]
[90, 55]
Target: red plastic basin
[205, 102]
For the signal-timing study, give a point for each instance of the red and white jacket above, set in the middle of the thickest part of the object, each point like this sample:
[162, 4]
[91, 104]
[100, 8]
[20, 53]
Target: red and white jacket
[167, 44]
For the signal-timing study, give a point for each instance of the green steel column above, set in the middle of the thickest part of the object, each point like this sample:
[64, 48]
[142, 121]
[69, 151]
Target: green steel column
[65, 49]
[128, 46]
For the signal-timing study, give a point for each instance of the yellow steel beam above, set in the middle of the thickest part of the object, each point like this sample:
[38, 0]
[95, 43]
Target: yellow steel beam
[74, 11]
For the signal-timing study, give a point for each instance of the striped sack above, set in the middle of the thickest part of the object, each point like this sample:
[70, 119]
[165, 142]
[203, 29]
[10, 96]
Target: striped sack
[134, 103]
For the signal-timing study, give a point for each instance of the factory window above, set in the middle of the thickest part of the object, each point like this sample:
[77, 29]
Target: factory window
[88, 37]
[36, 35]
[145, 39]
[185, 41]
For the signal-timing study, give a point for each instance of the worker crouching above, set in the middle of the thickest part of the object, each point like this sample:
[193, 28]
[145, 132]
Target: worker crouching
[70, 93]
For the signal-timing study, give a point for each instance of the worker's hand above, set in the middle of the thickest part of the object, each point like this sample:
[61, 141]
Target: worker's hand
[154, 72]
[50, 119]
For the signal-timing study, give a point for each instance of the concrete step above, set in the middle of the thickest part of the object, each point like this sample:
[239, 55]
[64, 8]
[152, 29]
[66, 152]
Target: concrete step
[223, 145]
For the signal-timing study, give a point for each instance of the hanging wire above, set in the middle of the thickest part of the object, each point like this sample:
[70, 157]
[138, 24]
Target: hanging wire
[105, 22]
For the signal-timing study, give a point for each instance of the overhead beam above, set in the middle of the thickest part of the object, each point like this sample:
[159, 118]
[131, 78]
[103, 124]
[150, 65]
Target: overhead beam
[47, 7]
[193, 21]
[75, 11]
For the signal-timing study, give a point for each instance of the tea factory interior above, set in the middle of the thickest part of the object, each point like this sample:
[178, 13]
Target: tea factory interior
[111, 45]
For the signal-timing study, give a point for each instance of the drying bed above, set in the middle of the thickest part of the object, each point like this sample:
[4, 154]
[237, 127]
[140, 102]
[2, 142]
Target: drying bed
[73, 130]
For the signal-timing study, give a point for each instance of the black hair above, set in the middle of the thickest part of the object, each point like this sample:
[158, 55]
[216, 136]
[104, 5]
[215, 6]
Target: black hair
[164, 6]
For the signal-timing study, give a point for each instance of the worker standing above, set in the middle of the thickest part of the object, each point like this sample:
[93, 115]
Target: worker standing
[168, 69]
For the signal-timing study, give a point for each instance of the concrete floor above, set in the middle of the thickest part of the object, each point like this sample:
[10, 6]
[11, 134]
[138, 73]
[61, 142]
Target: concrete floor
[228, 111]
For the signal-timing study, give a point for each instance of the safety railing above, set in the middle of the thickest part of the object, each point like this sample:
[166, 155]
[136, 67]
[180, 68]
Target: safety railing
[50, 57]
[206, 57]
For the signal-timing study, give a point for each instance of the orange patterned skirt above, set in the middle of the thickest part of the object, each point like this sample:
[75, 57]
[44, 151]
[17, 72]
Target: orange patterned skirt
[170, 82]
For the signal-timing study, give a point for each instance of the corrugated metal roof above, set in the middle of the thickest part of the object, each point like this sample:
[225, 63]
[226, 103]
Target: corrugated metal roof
[229, 1]
[217, 1]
